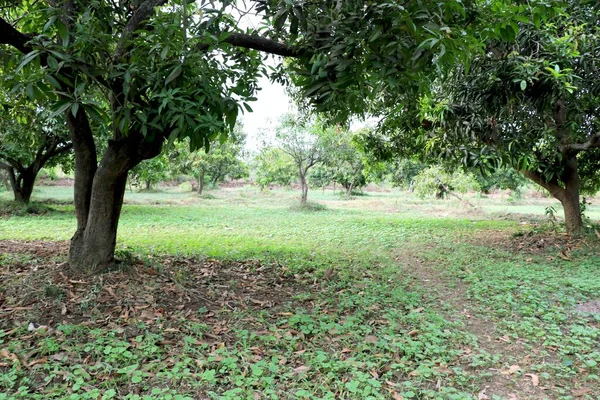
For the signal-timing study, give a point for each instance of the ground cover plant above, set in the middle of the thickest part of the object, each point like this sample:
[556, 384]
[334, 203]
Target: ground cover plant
[241, 295]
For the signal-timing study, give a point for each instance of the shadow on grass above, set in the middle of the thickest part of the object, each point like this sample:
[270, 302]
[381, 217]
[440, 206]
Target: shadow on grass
[46, 207]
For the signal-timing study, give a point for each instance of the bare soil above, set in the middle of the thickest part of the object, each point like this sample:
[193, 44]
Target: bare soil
[35, 287]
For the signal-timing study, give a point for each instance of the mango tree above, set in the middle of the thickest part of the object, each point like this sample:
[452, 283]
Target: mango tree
[30, 139]
[529, 102]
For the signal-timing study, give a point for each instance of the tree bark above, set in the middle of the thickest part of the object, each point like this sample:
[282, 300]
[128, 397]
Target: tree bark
[570, 198]
[567, 194]
[201, 182]
[148, 184]
[93, 245]
[304, 188]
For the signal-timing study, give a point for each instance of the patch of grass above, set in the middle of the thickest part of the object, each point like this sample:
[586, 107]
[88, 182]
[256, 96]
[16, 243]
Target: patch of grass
[308, 207]
[241, 298]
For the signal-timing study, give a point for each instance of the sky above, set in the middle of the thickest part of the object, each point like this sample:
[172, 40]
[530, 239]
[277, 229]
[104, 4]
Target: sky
[271, 104]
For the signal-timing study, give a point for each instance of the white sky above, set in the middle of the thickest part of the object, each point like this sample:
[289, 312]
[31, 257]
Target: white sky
[271, 104]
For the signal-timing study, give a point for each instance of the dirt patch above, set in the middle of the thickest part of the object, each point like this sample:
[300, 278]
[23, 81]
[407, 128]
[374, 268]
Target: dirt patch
[36, 288]
[589, 307]
[446, 290]
[34, 247]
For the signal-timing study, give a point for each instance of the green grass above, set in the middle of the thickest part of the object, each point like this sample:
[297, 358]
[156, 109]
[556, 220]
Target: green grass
[369, 331]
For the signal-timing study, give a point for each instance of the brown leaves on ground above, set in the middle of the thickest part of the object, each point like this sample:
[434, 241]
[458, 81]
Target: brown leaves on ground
[39, 289]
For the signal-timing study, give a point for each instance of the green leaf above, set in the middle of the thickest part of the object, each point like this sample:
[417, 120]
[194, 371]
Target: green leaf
[74, 109]
[27, 59]
[174, 74]
[523, 85]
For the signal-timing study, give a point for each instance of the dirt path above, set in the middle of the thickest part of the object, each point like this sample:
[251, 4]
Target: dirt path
[449, 296]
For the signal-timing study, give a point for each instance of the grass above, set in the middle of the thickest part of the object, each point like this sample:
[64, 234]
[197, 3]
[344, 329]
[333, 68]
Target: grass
[366, 298]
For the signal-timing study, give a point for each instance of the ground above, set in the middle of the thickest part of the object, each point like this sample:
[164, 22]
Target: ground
[238, 294]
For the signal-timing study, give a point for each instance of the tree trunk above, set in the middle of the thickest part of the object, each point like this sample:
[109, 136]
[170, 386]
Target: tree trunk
[567, 195]
[22, 184]
[304, 187]
[570, 198]
[93, 245]
[200, 182]
[148, 185]
[93, 248]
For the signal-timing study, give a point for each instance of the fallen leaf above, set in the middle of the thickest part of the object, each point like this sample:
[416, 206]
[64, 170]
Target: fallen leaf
[564, 255]
[392, 384]
[301, 369]
[581, 392]
[535, 380]
[414, 332]
[482, 395]
[597, 233]
[371, 339]
[42, 360]
[513, 369]
[417, 310]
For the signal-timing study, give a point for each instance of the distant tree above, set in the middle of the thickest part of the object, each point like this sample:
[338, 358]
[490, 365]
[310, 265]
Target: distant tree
[216, 163]
[502, 178]
[436, 180]
[273, 166]
[150, 172]
[305, 141]
[345, 160]
[31, 138]
[404, 171]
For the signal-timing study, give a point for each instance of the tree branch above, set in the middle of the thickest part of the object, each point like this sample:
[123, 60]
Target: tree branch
[144, 11]
[258, 43]
[553, 187]
[592, 142]
[9, 35]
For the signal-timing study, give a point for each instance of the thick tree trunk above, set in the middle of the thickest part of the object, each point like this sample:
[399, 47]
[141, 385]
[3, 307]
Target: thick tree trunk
[200, 182]
[570, 197]
[93, 248]
[568, 194]
[22, 183]
[93, 245]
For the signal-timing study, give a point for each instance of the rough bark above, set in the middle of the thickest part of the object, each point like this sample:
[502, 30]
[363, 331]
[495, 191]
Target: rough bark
[304, 188]
[93, 245]
[570, 200]
[200, 188]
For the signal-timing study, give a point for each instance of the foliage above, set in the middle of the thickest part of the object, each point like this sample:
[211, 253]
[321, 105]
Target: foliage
[149, 173]
[273, 166]
[404, 171]
[436, 180]
[502, 178]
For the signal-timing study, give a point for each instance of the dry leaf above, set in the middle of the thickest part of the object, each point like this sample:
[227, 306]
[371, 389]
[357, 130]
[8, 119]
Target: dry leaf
[581, 392]
[414, 332]
[482, 395]
[301, 369]
[392, 384]
[513, 369]
[564, 255]
[42, 360]
[597, 233]
[397, 396]
[371, 339]
[535, 380]
[417, 310]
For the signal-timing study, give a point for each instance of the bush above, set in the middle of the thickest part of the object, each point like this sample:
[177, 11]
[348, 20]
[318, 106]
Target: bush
[437, 181]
